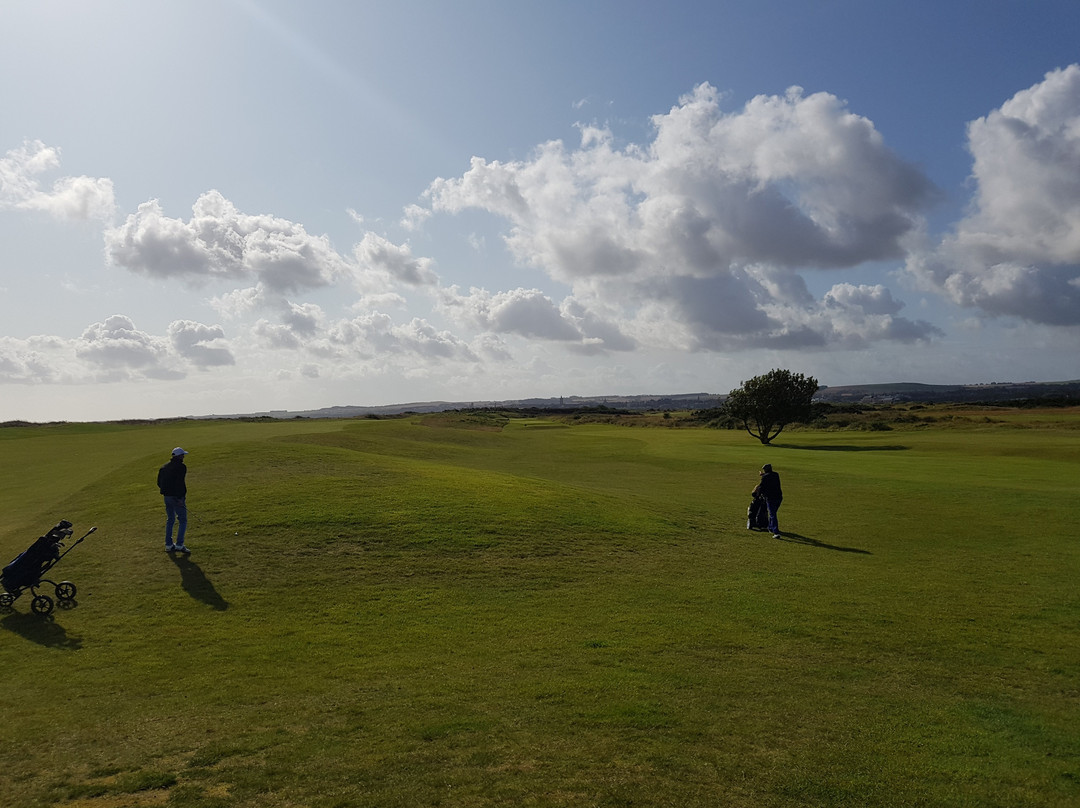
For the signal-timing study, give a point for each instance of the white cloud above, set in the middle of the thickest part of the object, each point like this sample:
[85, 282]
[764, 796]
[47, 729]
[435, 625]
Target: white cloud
[202, 345]
[220, 242]
[696, 239]
[379, 300]
[37, 360]
[118, 348]
[382, 258]
[303, 318]
[240, 302]
[1018, 252]
[353, 345]
[420, 338]
[856, 316]
[525, 312]
[276, 335]
[68, 198]
[530, 314]
[492, 347]
[113, 350]
[599, 332]
[374, 335]
[414, 217]
[870, 299]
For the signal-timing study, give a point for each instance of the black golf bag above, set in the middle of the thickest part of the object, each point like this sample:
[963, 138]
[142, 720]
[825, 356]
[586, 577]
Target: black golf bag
[26, 571]
[757, 515]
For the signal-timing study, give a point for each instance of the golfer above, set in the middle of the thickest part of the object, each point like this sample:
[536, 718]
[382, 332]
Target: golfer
[769, 487]
[171, 484]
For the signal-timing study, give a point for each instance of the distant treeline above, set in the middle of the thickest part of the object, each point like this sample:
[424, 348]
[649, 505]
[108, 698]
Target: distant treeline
[1032, 394]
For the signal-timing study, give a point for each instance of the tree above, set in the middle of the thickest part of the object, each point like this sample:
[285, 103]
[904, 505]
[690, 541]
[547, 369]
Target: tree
[766, 404]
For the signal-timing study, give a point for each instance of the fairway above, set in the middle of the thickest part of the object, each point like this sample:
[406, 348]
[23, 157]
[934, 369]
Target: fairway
[482, 610]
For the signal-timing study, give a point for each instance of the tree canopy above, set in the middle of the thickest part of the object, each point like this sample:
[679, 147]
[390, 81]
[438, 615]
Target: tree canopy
[766, 404]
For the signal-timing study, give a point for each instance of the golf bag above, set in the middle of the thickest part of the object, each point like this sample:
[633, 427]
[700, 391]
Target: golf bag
[26, 571]
[757, 515]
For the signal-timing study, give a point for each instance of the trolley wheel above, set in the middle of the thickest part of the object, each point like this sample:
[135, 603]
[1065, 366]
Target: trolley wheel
[41, 604]
[65, 590]
[7, 600]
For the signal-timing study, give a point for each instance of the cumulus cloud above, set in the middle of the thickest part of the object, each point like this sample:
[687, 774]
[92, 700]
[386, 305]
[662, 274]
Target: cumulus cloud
[67, 198]
[116, 345]
[220, 242]
[203, 345]
[370, 337]
[599, 332]
[113, 350]
[303, 318]
[531, 314]
[276, 335]
[678, 234]
[376, 335]
[858, 315]
[414, 217]
[381, 257]
[491, 347]
[1018, 252]
[239, 302]
[38, 360]
[525, 312]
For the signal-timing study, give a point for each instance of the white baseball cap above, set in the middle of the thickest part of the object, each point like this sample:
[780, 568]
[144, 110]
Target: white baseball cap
[178, 451]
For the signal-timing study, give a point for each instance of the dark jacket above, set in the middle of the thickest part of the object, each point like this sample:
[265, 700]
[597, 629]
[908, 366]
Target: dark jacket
[769, 486]
[170, 478]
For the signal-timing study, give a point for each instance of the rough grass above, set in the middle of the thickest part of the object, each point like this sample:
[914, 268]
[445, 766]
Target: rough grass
[489, 610]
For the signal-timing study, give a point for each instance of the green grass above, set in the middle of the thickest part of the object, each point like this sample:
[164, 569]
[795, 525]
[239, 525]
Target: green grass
[483, 611]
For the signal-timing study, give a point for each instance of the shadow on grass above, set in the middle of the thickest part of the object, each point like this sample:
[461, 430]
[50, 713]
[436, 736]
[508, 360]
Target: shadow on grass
[840, 447]
[196, 584]
[795, 538]
[42, 630]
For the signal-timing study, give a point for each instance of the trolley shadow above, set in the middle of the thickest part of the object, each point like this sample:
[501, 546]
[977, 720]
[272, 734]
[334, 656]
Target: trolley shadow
[41, 629]
[844, 447]
[795, 538]
[196, 584]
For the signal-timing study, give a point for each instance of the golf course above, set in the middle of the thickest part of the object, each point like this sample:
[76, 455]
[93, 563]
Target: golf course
[497, 609]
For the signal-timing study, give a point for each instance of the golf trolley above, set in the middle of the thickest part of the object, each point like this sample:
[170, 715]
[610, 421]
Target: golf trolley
[26, 572]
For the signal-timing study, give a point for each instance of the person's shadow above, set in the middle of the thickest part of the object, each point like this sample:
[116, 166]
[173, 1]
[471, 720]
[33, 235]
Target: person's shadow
[42, 630]
[196, 584]
[795, 538]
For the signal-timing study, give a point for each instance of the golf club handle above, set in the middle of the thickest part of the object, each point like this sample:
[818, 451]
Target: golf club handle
[72, 547]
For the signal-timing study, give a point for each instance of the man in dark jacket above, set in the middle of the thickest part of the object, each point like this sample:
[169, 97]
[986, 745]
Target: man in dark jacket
[769, 487]
[172, 485]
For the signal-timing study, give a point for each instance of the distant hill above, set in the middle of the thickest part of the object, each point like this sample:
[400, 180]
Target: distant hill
[898, 392]
[941, 393]
[678, 401]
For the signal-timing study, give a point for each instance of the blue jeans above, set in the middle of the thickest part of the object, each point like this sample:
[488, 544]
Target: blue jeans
[176, 511]
[773, 506]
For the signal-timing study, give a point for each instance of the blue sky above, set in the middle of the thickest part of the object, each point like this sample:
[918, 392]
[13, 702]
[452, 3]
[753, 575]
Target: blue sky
[249, 205]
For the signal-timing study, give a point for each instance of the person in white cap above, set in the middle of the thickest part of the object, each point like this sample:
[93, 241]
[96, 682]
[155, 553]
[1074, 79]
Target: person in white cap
[172, 485]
